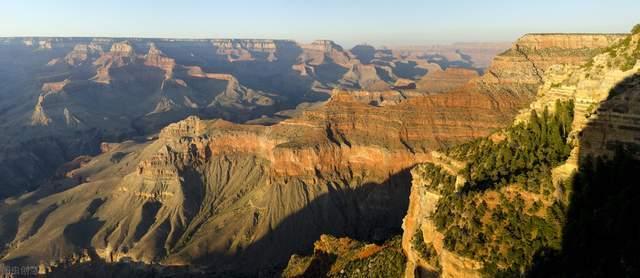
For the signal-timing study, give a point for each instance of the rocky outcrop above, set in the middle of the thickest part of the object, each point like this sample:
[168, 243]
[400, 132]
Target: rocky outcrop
[521, 69]
[364, 77]
[208, 188]
[422, 205]
[120, 54]
[45, 44]
[303, 69]
[102, 74]
[611, 119]
[82, 52]
[39, 117]
[439, 81]
[321, 51]
[79, 54]
[122, 49]
[164, 105]
[364, 53]
[195, 71]
[603, 90]
[343, 256]
[248, 44]
[244, 49]
[54, 87]
[155, 58]
[567, 41]
[71, 120]
[235, 95]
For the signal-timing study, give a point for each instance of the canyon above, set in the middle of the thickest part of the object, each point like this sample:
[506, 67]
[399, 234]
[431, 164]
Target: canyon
[530, 71]
[244, 178]
[62, 97]
[605, 121]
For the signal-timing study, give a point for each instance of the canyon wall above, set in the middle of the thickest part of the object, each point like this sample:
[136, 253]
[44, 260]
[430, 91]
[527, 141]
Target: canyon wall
[214, 193]
[63, 96]
[521, 68]
[603, 90]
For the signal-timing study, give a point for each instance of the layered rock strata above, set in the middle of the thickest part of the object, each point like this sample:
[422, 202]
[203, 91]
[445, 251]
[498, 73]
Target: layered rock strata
[214, 191]
[604, 92]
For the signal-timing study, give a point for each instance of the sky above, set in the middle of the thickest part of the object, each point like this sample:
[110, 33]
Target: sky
[348, 22]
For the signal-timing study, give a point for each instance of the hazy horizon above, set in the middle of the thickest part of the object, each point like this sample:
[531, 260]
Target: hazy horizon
[379, 23]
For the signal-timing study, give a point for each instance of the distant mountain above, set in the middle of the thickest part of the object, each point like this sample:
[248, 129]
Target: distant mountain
[62, 97]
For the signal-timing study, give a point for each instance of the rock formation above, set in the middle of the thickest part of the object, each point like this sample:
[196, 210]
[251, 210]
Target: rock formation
[82, 52]
[439, 81]
[234, 95]
[245, 50]
[215, 193]
[335, 257]
[156, 58]
[603, 90]
[540, 42]
[70, 120]
[202, 183]
[364, 77]
[120, 54]
[521, 68]
[39, 117]
[595, 89]
[317, 52]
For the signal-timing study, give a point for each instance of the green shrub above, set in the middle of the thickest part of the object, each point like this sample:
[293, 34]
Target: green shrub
[425, 250]
[439, 180]
[390, 262]
[509, 240]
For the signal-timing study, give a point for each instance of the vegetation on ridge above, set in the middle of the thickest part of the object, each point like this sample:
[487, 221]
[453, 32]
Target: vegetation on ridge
[530, 148]
[635, 29]
[346, 258]
[506, 212]
[425, 250]
[625, 53]
[439, 180]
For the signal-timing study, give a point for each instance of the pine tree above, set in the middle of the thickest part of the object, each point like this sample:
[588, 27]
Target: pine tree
[534, 124]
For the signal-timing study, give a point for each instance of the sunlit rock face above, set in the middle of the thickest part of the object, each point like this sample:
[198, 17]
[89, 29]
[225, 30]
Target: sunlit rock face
[521, 68]
[598, 73]
[439, 81]
[64, 96]
[337, 168]
[209, 191]
[156, 58]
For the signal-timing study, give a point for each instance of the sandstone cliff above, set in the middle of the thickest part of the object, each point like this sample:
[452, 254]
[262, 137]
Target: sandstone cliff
[84, 81]
[156, 58]
[317, 52]
[345, 257]
[120, 54]
[213, 191]
[81, 53]
[240, 50]
[603, 90]
[521, 68]
[439, 81]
